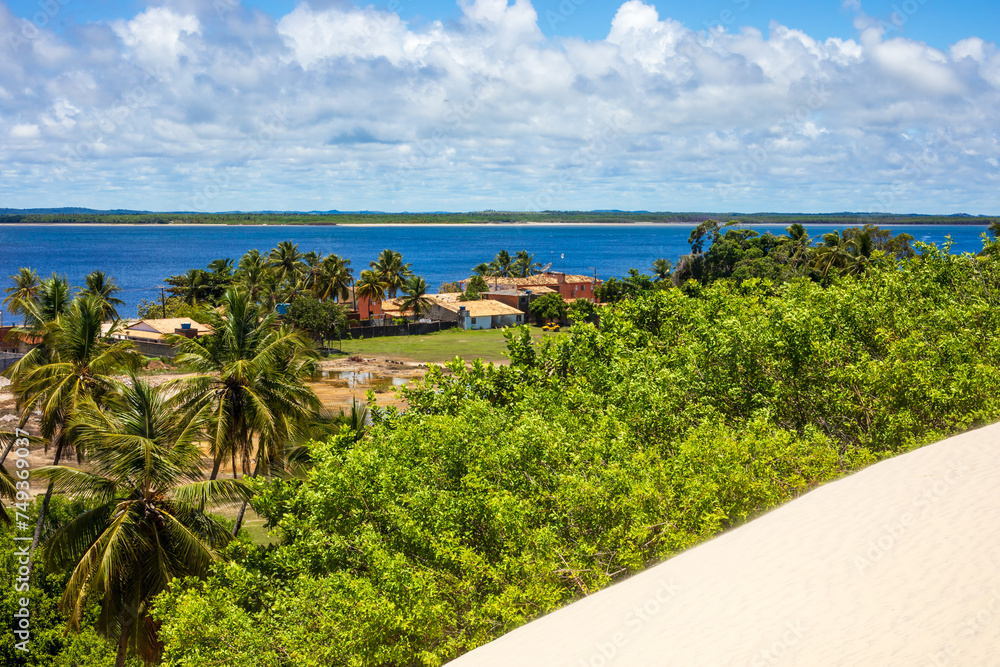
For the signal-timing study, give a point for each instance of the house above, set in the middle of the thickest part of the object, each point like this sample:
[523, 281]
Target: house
[483, 314]
[17, 344]
[154, 330]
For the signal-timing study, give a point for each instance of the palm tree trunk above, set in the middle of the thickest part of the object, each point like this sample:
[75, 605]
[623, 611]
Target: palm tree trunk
[243, 508]
[122, 644]
[215, 467]
[48, 496]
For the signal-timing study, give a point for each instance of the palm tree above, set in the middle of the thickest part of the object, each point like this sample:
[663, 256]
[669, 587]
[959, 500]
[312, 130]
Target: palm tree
[483, 269]
[993, 229]
[255, 280]
[250, 380]
[8, 490]
[334, 279]
[390, 268]
[831, 253]
[25, 289]
[222, 268]
[74, 362]
[661, 269]
[415, 290]
[286, 261]
[53, 300]
[800, 242]
[371, 286]
[502, 264]
[147, 524]
[525, 264]
[313, 265]
[191, 286]
[103, 286]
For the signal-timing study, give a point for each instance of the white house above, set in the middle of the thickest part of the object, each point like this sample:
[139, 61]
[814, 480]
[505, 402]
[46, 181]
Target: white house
[485, 314]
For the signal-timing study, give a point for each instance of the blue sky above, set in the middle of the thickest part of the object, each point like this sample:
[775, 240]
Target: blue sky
[725, 105]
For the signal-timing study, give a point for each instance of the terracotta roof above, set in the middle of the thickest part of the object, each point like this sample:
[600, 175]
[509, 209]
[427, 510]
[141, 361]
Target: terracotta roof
[520, 282]
[484, 308]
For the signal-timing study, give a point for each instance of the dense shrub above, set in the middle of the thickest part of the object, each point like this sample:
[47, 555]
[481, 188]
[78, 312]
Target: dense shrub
[506, 492]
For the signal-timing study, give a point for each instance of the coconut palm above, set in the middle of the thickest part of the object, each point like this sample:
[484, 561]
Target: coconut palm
[993, 229]
[334, 279]
[390, 268]
[25, 289]
[249, 377]
[74, 362]
[8, 490]
[483, 269]
[191, 286]
[525, 264]
[286, 261]
[312, 266]
[53, 300]
[255, 280]
[415, 290]
[661, 269]
[370, 285]
[502, 264]
[146, 526]
[103, 286]
[832, 252]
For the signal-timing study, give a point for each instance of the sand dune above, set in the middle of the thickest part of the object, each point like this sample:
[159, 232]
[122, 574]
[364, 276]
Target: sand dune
[898, 564]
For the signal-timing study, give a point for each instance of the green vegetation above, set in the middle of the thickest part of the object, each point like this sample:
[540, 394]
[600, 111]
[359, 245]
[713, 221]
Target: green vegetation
[482, 217]
[755, 370]
[507, 491]
[549, 307]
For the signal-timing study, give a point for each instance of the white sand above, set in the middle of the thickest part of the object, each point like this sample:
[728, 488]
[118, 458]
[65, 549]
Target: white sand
[897, 565]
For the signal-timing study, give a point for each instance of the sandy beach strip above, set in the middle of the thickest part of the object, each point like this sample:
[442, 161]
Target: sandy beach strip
[896, 565]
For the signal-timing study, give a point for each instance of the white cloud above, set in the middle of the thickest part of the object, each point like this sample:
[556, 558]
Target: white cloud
[157, 35]
[24, 131]
[179, 107]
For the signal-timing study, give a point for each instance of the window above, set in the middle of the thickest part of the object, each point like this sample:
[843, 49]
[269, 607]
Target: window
[518, 318]
[473, 320]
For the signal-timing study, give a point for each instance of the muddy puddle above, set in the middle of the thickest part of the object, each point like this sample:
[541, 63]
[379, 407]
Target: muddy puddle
[338, 388]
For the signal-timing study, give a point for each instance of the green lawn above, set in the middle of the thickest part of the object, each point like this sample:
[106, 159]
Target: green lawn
[488, 345]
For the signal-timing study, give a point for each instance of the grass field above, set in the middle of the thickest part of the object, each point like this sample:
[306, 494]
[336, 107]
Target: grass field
[488, 345]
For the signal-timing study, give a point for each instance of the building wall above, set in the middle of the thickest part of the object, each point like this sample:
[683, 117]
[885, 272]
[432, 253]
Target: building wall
[481, 322]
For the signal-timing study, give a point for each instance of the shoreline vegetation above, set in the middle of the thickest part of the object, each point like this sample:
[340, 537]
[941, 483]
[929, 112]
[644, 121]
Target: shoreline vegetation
[329, 218]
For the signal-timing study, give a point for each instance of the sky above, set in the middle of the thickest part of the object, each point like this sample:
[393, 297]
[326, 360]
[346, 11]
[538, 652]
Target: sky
[431, 105]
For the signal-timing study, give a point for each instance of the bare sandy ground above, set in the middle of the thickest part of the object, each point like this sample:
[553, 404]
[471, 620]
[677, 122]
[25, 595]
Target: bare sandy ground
[897, 565]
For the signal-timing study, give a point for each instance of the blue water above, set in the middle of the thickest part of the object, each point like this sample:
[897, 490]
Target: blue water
[140, 257]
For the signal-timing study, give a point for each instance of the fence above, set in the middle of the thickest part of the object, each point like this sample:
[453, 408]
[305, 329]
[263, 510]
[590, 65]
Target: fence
[8, 359]
[408, 329]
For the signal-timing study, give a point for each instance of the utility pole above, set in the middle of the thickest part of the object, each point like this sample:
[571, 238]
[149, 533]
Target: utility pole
[163, 303]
